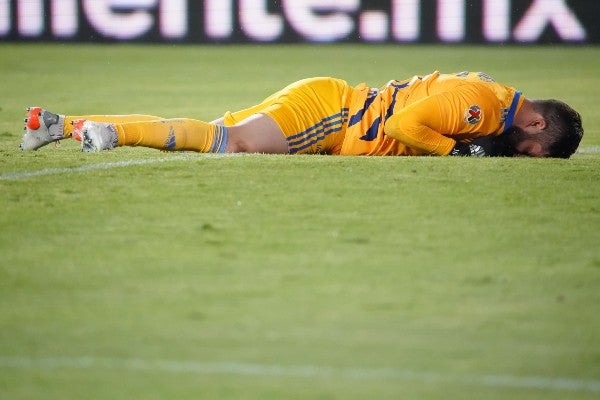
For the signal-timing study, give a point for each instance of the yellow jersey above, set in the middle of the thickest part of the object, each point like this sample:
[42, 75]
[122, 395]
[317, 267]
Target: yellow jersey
[427, 115]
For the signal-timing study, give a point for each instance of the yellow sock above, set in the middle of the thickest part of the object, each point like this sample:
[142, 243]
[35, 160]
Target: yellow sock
[173, 135]
[114, 119]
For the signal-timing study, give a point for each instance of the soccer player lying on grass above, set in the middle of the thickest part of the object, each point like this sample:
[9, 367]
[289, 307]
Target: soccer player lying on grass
[464, 114]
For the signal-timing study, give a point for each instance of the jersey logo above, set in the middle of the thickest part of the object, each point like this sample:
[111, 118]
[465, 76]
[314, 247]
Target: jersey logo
[473, 115]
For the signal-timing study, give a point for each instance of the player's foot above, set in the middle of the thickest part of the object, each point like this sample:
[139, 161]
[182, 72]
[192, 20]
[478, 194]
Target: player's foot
[97, 136]
[41, 127]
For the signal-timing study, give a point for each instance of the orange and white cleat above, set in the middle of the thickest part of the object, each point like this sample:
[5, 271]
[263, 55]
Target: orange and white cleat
[42, 127]
[98, 136]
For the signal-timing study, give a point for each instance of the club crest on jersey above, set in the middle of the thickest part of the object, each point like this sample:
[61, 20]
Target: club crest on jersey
[473, 114]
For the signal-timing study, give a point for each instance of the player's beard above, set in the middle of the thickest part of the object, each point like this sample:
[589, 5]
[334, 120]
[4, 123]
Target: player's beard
[505, 145]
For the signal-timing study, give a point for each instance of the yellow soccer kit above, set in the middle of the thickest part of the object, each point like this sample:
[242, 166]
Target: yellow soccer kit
[422, 115]
[419, 116]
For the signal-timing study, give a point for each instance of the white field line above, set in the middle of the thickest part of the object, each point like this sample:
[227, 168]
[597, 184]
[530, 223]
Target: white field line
[15, 176]
[306, 371]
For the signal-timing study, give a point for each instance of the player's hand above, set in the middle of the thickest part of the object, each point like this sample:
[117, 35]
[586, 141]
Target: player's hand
[467, 150]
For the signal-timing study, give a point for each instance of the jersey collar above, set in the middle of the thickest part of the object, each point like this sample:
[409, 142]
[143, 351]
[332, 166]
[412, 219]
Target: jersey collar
[512, 111]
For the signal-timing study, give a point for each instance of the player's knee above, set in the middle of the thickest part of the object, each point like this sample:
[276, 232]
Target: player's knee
[237, 142]
[233, 145]
[255, 139]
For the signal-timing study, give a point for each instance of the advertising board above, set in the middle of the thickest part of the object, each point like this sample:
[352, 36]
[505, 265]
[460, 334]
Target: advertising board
[302, 21]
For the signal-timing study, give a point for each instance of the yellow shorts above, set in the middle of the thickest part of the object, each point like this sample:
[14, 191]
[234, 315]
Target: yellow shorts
[311, 113]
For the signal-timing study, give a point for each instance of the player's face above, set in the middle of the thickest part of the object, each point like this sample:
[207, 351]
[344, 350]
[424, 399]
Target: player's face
[515, 142]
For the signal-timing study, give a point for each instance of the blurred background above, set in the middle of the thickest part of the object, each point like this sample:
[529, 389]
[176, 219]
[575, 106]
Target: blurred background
[291, 21]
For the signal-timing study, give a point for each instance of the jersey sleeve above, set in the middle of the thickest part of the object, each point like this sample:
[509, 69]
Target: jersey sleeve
[434, 123]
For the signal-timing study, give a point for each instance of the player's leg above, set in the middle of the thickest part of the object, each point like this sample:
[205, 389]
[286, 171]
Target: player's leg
[178, 134]
[256, 134]
[305, 117]
[294, 114]
[43, 127]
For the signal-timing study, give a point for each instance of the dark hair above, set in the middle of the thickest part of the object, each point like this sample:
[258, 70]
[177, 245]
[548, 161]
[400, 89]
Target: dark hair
[563, 130]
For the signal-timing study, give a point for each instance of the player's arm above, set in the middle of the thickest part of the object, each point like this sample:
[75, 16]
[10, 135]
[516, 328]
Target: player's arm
[429, 124]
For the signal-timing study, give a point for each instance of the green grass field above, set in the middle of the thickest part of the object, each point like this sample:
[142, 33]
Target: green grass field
[136, 274]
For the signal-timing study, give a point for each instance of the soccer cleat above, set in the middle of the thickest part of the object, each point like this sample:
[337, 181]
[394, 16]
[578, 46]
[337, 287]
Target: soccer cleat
[41, 127]
[98, 136]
